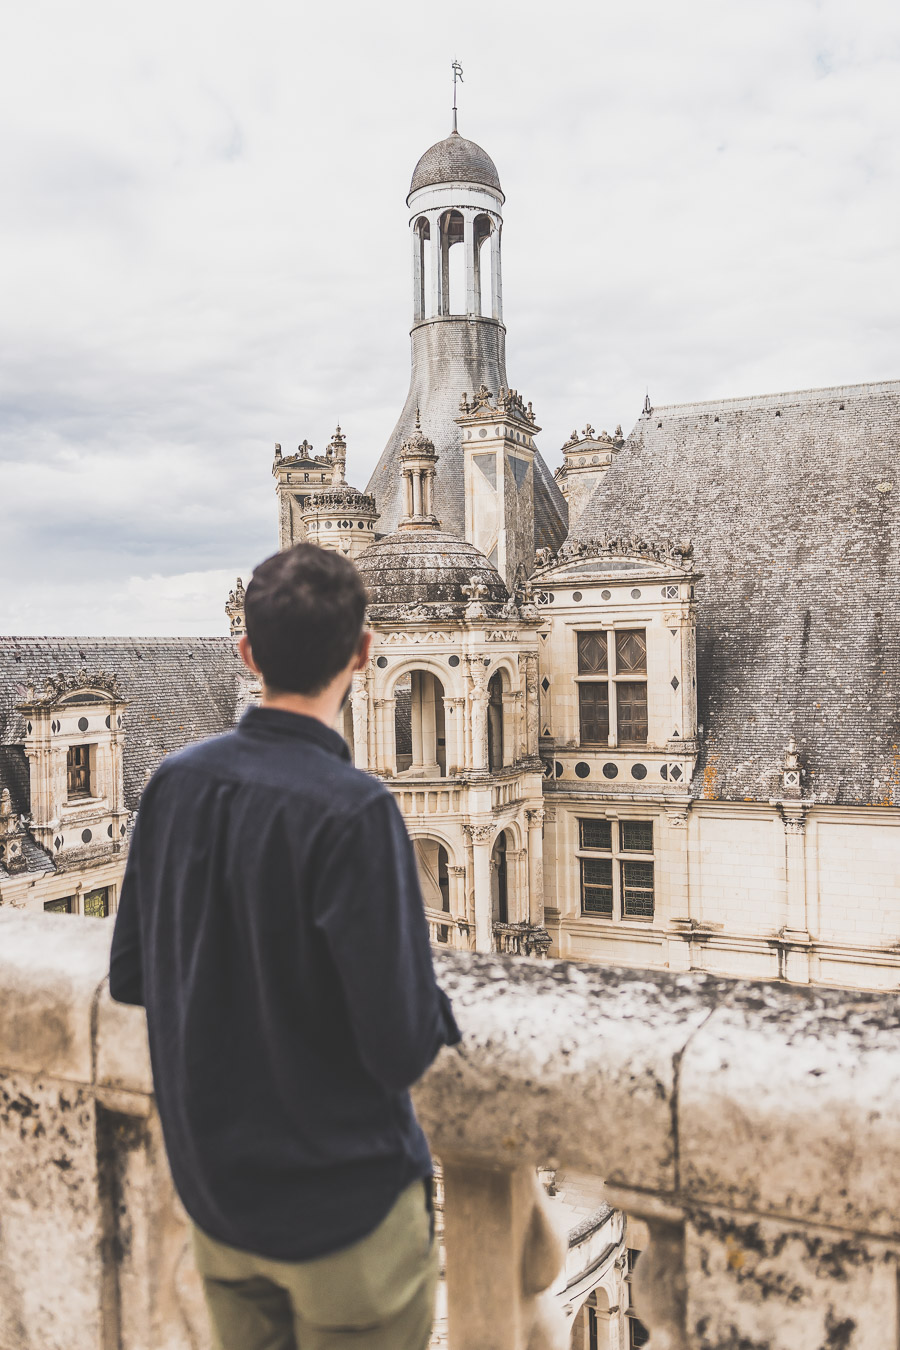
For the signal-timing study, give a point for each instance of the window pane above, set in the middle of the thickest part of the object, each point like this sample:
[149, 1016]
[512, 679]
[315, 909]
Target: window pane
[631, 652]
[96, 903]
[593, 704]
[631, 706]
[638, 1334]
[591, 653]
[636, 836]
[61, 906]
[637, 890]
[596, 834]
[78, 773]
[596, 886]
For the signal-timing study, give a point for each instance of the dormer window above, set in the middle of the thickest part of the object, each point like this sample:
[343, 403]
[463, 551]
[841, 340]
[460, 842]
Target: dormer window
[78, 771]
[614, 696]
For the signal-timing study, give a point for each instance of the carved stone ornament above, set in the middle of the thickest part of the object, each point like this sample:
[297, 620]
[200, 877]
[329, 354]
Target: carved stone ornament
[392, 639]
[509, 404]
[677, 820]
[234, 608]
[480, 834]
[475, 592]
[502, 635]
[671, 554]
[58, 687]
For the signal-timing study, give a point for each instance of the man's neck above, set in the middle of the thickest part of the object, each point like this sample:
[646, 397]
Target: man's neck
[323, 707]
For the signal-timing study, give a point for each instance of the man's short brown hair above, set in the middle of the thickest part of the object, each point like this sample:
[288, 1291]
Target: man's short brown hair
[304, 609]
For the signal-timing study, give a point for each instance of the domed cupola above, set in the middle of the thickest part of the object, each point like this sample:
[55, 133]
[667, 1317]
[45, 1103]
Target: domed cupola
[429, 572]
[455, 160]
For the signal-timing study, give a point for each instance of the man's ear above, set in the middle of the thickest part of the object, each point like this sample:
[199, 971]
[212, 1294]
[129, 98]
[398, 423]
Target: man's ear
[246, 654]
[365, 648]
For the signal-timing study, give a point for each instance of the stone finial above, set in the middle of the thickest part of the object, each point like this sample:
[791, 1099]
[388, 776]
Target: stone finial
[305, 450]
[11, 835]
[476, 592]
[648, 407]
[588, 432]
[619, 432]
[791, 772]
[464, 405]
[418, 459]
[234, 608]
[337, 446]
[277, 450]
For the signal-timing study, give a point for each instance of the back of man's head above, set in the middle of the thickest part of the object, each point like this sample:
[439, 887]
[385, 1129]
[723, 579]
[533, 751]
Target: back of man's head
[304, 611]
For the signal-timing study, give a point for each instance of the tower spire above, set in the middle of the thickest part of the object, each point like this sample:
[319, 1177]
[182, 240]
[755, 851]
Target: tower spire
[457, 75]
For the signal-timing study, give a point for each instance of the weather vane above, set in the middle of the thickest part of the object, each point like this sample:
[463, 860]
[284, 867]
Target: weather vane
[457, 75]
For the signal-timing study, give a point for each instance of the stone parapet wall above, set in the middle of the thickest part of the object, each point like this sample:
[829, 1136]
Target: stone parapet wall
[753, 1127]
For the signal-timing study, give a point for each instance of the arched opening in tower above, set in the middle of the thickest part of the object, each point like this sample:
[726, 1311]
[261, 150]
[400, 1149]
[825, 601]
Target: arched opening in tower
[484, 271]
[420, 743]
[453, 263]
[495, 722]
[500, 880]
[422, 269]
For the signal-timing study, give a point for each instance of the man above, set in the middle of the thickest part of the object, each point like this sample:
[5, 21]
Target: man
[271, 924]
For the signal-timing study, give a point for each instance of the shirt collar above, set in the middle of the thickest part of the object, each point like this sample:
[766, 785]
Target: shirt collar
[278, 722]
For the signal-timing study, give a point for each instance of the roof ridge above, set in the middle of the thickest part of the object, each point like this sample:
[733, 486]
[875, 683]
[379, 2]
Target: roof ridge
[74, 638]
[773, 400]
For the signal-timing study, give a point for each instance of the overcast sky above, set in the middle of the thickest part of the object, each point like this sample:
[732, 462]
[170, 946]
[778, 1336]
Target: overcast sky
[204, 248]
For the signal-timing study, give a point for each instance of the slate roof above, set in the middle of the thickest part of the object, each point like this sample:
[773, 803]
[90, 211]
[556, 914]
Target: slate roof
[178, 690]
[787, 500]
[455, 160]
[452, 356]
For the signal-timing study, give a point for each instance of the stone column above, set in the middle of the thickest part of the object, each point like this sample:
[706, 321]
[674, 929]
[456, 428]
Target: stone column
[517, 896]
[532, 703]
[496, 284]
[482, 837]
[454, 727]
[457, 878]
[469, 247]
[478, 704]
[386, 759]
[435, 223]
[518, 747]
[503, 1252]
[417, 493]
[795, 933]
[417, 275]
[535, 817]
[359, 707]
[443, 238]
[427, 695]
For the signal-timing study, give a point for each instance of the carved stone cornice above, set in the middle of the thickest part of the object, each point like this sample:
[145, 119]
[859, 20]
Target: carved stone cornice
[680, 555]
[58, 688]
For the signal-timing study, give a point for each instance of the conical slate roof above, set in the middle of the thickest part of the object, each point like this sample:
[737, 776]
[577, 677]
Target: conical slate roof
[455, 160]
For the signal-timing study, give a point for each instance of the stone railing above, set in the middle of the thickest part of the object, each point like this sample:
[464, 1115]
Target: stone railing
[755, 1129]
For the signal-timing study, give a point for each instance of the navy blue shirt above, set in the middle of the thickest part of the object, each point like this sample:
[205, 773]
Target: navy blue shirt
[271, 924]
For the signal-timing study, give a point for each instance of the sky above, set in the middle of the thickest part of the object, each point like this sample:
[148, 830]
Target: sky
[204, 248]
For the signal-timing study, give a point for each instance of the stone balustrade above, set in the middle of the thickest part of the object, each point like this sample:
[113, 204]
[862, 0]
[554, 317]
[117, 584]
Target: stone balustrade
[754, 1128]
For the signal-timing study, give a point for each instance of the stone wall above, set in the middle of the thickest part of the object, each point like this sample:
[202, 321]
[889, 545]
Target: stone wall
[741, 889]
[752, 1128]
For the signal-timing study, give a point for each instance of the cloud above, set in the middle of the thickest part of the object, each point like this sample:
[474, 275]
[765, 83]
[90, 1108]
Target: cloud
[205, 248]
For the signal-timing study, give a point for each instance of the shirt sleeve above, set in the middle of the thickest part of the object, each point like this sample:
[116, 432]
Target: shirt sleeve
[369, 908]
[126, 979]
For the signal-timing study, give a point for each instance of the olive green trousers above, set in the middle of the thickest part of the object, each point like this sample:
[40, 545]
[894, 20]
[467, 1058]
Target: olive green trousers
[377, 1294]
